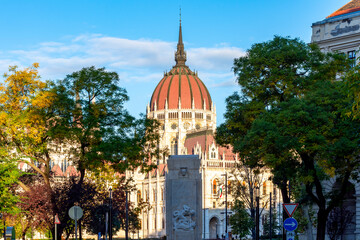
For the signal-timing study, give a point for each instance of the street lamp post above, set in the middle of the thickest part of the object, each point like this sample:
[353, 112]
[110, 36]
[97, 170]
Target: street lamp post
[110, 216]
[257, 213]
[270, 216]
[127, 216]
[226, 223]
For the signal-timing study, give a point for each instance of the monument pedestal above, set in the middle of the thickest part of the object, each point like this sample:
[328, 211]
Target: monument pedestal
[183, 198]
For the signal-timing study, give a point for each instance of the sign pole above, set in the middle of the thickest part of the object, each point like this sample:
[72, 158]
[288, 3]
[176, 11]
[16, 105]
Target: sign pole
[75, 229]
[75, 213]
[127, 216]
[57, 221]
[270, 216]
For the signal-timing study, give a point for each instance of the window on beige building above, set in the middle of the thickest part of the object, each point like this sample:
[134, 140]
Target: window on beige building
[352, 57]
[138, 196]
[215, 187]
[264, 188]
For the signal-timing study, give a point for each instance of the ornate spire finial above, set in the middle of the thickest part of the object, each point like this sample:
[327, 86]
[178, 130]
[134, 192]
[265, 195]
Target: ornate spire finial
[180, 54]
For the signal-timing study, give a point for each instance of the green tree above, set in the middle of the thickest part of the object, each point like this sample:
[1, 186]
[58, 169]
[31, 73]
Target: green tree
[9, 175]
[97, 128]
[24, 115]
[240, 221]
[81, 118]
[313, 132]
[275, 227]
[248, 180]
[352, 81]
[291, 119]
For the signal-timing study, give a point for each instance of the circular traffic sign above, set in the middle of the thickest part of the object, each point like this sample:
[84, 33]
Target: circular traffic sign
[75, 212]
[290, 224]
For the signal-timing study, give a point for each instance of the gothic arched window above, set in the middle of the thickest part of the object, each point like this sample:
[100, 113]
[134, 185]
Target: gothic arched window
[264, 188]
[215, 186]
[138, 196]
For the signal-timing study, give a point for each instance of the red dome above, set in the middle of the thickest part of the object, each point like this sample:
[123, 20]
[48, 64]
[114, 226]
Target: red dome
[180, 83]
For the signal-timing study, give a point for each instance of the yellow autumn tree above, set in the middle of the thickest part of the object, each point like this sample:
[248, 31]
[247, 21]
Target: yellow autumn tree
[25, 101]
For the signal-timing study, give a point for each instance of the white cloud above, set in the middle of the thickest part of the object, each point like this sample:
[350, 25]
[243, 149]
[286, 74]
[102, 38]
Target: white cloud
[60, 58]
[220, 58]
[140, 63]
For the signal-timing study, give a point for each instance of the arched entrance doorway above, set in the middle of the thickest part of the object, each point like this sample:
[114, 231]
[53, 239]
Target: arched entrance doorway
[214, 225]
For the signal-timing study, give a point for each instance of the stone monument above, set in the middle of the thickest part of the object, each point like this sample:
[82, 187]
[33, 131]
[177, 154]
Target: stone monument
[183, 198]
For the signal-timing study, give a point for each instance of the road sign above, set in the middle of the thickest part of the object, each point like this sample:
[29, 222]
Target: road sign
[57, 220]
[290, 235]
[75, 212]
[290, 208]
[290, 224]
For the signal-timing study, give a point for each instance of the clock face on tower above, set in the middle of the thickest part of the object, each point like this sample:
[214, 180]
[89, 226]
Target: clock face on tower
[173, 126]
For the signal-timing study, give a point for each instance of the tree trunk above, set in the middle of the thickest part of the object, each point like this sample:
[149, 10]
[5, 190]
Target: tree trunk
[309, 227]
[321, 226]
[252, 213]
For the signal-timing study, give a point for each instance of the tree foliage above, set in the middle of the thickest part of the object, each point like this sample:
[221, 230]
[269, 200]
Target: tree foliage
[9, 175]
[291, 119]
[24, 115]
[81, 119]
[248, 181]
[92, 118]
[275, 226]
[240, 221]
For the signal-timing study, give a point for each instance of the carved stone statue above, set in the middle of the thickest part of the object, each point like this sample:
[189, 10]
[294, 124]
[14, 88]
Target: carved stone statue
[184, 219]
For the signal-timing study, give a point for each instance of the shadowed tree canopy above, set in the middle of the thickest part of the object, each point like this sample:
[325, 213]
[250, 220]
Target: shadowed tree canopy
[290, 118]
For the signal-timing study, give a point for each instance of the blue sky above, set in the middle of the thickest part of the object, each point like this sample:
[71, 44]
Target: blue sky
[138, 39]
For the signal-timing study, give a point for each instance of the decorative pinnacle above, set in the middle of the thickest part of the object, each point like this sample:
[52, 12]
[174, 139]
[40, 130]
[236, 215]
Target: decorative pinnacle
[180, 54]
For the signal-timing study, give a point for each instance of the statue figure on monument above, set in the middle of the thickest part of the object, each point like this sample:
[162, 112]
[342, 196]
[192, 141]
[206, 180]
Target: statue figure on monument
[184, 219]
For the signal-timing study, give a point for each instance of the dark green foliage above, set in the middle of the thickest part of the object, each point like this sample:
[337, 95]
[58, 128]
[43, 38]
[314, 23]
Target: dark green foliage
[240, 221]
[274, 223]
[291, 119]
[95, 221]
[93, 120]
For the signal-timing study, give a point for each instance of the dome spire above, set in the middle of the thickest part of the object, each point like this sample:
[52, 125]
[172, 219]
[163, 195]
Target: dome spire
[180, 54]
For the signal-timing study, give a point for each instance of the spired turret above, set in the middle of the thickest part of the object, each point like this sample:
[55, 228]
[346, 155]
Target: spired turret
[182, 103]
[180, 54]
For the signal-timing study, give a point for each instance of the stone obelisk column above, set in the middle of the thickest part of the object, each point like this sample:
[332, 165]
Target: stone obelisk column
[183, 198]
